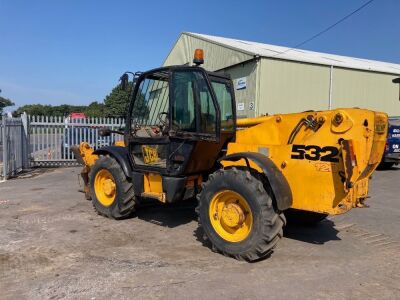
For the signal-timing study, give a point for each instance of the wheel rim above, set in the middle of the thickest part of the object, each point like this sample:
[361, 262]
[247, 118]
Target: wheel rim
[230, 216]
[105, 187]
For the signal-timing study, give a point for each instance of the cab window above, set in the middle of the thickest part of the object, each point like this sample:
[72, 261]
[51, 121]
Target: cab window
[208, 115]
[152, 101]
[224, 97]
[193, 108]
[184, 111]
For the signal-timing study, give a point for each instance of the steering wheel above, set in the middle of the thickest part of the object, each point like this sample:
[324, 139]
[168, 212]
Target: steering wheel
[166, 126]
[163, 121]
[135, 126]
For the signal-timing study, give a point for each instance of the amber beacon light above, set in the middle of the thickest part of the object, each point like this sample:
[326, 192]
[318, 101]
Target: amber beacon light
[198, 57]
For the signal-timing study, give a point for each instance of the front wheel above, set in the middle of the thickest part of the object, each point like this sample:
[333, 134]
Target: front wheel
[111, 192]
[237, 215]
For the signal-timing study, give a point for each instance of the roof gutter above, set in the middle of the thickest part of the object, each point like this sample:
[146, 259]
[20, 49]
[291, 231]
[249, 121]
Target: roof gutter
[305, 61]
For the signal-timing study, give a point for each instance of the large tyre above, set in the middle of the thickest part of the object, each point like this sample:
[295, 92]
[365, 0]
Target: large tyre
[237, 215]
[111, 192]
[295, 216]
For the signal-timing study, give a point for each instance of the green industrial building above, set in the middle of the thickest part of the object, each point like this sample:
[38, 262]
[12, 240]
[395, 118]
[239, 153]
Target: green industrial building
[271, 79]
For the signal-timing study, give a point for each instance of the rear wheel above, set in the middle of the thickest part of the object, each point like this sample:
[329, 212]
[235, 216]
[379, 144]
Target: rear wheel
[111, 192]
[237, 215]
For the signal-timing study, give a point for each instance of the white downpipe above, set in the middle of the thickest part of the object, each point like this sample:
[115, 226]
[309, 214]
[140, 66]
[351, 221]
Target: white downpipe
[330, 87]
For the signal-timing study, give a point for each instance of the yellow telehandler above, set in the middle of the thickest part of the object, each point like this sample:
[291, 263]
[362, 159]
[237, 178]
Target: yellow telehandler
[182, 139]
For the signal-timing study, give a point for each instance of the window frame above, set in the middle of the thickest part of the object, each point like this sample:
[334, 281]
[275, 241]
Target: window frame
[196, 135]
[188, 135]
[135, 90]
[216, 78]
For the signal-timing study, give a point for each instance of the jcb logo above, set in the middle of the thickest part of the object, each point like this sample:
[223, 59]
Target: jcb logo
[315, 153]
[150, 154]
[380, 126]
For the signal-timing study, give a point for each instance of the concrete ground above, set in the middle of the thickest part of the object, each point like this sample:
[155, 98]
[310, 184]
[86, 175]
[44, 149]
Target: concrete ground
[54, 246]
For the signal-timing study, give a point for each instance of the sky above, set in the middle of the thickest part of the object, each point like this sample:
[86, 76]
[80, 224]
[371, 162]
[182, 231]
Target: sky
[73, 52]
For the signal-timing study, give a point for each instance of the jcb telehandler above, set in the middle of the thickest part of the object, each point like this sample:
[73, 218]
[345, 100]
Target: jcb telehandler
[182, 139]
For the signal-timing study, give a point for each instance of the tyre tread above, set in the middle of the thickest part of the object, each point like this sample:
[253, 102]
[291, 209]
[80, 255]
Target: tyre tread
[125, 206]
[272, 221]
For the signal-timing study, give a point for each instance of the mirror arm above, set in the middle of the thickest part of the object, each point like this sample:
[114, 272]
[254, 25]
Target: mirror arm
[117, 132]
[107, 131]
[125, 79]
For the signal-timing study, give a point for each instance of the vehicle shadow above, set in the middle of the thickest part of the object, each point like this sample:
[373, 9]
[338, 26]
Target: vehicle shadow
[180, 213]
[319, 233]
[168, 215]
[173, 215]
[393, 168]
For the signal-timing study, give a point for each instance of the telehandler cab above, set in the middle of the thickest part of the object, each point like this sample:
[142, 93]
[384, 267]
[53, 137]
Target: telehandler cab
[182, 139]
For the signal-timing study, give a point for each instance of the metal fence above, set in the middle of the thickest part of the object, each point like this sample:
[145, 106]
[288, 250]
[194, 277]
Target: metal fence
[14, 146]
[46, 141]
[51, 138]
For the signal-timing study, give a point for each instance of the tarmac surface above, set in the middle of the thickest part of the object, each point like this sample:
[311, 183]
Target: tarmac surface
[53, 245]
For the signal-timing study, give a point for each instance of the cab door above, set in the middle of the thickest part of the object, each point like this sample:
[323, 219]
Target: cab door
[148, 122]
[175, 122]
[195, 122]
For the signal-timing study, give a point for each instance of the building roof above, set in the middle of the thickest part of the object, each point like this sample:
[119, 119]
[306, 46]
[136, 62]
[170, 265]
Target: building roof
[279, 52]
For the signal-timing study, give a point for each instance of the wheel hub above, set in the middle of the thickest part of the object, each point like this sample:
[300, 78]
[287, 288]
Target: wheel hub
[105, 187]
[109, 187]
[232, 215]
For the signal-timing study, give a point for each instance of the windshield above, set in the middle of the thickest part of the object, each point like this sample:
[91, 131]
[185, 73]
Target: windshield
[152, 100]
[224, 97]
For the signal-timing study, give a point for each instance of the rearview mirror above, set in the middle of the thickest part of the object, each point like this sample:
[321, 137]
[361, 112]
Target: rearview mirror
[104, 131]
[124, 81]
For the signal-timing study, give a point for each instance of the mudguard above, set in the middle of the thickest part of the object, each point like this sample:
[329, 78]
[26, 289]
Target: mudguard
[279, 185]
[120, 154]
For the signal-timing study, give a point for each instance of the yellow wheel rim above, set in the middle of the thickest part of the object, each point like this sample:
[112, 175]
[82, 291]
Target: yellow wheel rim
[230, 216]
[104, 187]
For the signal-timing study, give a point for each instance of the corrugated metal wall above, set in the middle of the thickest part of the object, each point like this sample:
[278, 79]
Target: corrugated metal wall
[246, 98]
[354, 88]
[294, 86]
[279, 86]
[287, 86]
[216, 57]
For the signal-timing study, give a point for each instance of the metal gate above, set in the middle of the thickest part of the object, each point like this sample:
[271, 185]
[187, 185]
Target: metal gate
[14, 147]
[51, 138]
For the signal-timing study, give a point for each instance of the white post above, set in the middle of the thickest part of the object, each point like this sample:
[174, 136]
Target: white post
[5, 167]
[26, 141]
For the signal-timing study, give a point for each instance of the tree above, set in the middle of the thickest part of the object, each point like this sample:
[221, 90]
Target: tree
[117, 102]
[34, 110]
[4, 102]
[95, 110]
[65, 109]
[115, 106]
